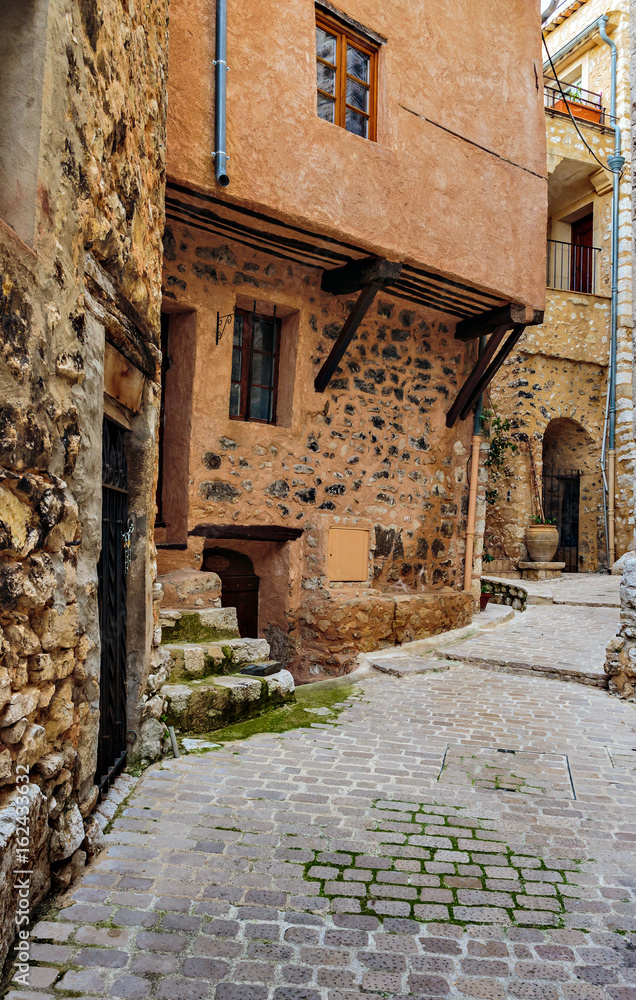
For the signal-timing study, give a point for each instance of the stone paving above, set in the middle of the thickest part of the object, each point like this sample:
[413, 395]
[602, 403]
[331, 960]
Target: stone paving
[339, 860]
[551, 639]
[591, 589]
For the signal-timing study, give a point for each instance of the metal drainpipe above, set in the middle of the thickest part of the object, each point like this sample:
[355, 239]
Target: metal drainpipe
[220, 97]
[615, 163]
[472, 494]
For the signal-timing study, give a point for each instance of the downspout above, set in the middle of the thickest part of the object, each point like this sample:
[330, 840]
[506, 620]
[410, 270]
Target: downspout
[220, 97]
[472, 494]
[615, 163]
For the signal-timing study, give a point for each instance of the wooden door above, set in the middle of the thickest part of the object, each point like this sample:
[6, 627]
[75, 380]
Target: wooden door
[581, 268]
[239, 586]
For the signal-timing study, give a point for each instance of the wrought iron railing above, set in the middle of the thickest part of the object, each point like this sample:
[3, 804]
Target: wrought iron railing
[572, 268]
[584, 104]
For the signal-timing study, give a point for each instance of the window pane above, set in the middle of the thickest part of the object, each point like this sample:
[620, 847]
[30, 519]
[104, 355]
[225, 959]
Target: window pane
[358, 95]
[238, 330]
[326, 78]
[262, 369]
[235, 400]
[357, 64]
[325, 45]
[356, 123]
[260, 401]
[326, 108]
[263, 335]
[237, 356]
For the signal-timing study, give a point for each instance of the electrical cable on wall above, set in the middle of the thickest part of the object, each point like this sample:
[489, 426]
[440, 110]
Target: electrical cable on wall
[565, 101]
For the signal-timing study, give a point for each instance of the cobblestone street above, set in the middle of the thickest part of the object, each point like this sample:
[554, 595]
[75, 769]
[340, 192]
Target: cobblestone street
[457, 834]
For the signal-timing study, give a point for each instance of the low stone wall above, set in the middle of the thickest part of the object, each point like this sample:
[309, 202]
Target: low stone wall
[508, 592]
[620, 663]
[331, 634]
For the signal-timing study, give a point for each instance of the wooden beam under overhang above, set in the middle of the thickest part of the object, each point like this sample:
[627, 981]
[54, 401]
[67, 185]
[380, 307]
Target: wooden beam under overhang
[367, 276]
[358, 274]
[509, 315]
[249, 532]
[491, 358]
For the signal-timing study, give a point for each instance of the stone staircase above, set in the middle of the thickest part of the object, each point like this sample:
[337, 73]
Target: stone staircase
[212, 668]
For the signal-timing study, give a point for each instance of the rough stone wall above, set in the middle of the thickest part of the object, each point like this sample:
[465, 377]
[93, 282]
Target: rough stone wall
[592, 184]
[620, 664]
[373, 450]
[101, 155]
[532, 390]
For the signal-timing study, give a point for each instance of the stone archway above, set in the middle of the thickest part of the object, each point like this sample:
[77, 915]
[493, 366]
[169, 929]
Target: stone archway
[573, 493]
[239, 585]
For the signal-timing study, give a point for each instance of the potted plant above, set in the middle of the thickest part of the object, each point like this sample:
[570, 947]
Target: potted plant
[575, 101]
[542, 538]
[542, 535]
[484, 597]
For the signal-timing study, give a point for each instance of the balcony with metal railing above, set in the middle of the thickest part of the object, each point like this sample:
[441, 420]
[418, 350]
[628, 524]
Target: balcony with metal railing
[573, 268]
[584, 105]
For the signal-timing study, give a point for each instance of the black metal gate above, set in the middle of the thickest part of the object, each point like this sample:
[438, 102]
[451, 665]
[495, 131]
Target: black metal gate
[111, 752]
[561, 496]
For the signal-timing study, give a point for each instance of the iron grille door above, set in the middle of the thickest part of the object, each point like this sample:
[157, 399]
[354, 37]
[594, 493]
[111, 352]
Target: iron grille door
[561, 497]
[111, 752]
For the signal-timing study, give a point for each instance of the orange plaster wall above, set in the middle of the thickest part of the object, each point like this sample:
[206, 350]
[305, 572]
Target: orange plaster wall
[420, 193]
[372, 450]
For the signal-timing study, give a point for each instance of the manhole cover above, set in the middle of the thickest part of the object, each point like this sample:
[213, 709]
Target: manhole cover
[622, 757]
[500, 769]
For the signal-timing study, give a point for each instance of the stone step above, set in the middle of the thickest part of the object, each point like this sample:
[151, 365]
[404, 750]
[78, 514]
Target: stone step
[196, 626]
[508, 664]
[201, 706]
[190, 660]
[407, 666]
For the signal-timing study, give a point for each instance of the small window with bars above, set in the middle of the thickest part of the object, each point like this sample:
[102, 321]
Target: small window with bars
[255, 352]
[346, 69]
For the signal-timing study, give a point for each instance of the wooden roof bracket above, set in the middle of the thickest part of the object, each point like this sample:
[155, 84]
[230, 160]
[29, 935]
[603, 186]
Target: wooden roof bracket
[497, 323]
[367, 276]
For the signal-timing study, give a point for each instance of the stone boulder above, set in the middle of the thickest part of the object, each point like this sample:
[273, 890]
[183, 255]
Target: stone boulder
[207, 625]
[67, 835]
[190, 588]
[618, 568]
[204, 705]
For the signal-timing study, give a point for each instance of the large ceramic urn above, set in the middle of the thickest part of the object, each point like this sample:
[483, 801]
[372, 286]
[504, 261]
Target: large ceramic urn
[541, 542]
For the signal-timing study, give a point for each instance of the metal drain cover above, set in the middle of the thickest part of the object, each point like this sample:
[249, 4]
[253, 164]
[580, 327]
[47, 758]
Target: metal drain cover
[622, 757]
[501, 769]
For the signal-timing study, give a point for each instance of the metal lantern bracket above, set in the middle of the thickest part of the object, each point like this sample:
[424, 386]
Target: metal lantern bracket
[222, 323]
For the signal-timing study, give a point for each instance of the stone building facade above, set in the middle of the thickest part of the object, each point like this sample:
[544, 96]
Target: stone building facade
[346, 507]
[553, 387]
[82, 157]
[620, 664]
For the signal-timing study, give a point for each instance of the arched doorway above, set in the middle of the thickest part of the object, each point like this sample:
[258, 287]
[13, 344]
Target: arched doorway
[239, 585]
[572, 495]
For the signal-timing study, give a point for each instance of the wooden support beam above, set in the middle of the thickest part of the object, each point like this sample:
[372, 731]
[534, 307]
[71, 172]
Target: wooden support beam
[492, 369]
[508, 316]
[345, 336]
[467, 390]
[250, 532]
[358, 274]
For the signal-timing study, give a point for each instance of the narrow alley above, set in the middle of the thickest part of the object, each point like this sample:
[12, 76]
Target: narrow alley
[465, 833]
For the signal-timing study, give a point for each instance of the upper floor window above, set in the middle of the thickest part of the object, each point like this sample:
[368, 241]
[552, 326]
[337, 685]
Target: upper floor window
[255, 352]
[346, 65]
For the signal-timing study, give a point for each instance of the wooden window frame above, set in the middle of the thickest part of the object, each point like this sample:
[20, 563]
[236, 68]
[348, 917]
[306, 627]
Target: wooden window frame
[345, 35]
[247, 352]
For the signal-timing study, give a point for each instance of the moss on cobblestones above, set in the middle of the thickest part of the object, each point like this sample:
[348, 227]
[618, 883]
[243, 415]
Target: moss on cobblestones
[328, 695]
[449, 820]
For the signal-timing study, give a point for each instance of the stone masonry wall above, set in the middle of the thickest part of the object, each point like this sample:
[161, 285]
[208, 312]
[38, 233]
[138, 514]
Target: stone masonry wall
[101, 157]
[371, 451]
